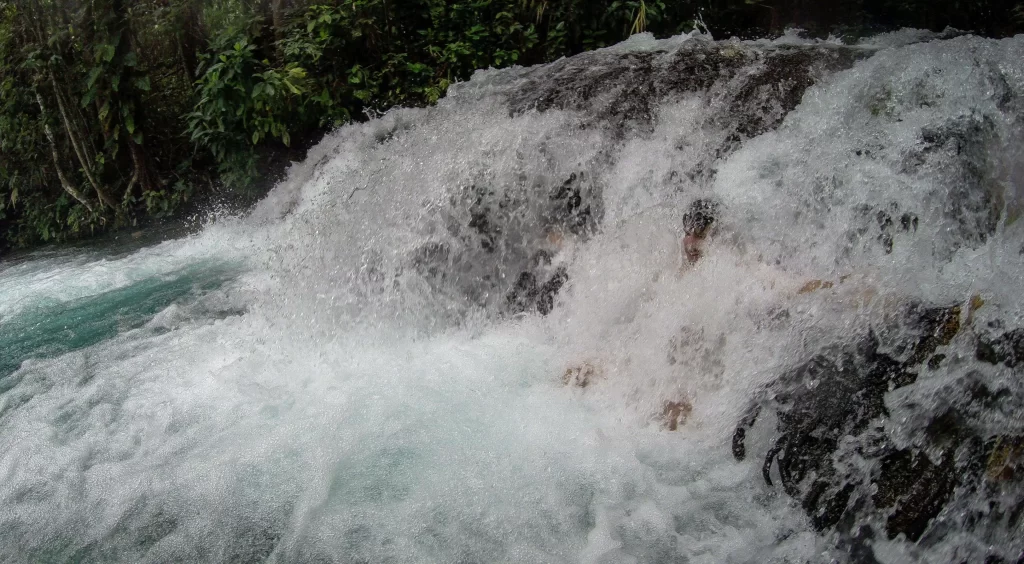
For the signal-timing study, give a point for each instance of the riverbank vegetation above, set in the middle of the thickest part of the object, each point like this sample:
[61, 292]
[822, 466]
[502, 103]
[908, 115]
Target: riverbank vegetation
[116, 112]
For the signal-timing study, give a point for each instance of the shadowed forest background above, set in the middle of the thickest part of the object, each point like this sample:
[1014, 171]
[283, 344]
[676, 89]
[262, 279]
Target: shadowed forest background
[115, 113]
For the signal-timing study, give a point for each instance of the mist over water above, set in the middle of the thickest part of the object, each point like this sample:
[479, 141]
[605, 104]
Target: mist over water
[338, 376]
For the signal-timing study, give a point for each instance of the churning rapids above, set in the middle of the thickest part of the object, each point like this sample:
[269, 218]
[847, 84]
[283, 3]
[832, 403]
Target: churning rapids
[361, 368]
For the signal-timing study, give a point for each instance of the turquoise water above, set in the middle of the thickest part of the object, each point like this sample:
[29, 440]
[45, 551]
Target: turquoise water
[49, 329]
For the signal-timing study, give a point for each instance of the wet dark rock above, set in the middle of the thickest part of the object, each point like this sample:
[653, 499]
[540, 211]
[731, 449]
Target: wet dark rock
[779, 85]
[548, 291]
[883, 224]
[481, 217]
[747, 90]
[831, 413]
[528, 294]
[913, 490]
[835, 394]
[254, 543]
[523, 295]
[935, 362]
[621, 84]
[504, 233]
[573, 207]
[432, 260]
[958, 149]
[750, 91]
[628, 87]
[1007, 349]
[920, 330]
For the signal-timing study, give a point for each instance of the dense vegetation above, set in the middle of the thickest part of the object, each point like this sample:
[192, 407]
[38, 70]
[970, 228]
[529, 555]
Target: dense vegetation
[119, 111]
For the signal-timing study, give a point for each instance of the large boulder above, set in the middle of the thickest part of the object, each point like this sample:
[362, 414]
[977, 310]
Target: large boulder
[836, 452]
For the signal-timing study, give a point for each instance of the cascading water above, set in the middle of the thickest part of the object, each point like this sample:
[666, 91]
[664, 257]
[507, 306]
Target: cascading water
[357, 370]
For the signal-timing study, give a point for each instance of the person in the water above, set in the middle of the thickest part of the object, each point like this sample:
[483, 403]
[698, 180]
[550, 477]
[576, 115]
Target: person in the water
[698, 226]
[535, 289]
[700, 223]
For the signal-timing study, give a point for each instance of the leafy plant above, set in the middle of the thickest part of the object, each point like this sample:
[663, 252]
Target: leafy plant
[115, 111]
[245, 101]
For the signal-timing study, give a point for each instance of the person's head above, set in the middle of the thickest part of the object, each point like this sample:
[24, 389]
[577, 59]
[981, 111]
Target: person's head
[698, 225]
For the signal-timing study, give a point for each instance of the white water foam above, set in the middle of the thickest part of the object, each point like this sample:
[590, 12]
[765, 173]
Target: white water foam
[368, 408]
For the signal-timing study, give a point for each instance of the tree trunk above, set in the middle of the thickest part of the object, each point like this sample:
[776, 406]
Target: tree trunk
[77, 120]
[65, 182]
[277, 20]
[132, 102]
[143, 175]
[189, 40]
[78, 147]
[278, 8]
[188, 71]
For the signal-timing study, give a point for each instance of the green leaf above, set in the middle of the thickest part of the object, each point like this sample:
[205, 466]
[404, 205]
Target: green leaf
[93, 75]
[255, 137]
[129, 124]
[105, 52]
[88, 97]
[142, 83]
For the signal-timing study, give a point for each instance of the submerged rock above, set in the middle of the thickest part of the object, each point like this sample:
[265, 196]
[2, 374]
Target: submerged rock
[528, 294]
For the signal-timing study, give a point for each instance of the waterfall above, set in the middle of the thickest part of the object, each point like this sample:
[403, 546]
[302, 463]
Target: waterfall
[469, 333]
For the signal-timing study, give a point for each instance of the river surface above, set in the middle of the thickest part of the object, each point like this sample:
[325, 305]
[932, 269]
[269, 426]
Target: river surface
[337, 376]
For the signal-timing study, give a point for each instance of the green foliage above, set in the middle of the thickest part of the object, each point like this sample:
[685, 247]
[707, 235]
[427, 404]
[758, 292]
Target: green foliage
[153, 104]
[365, 54]
[102, 78]
[243, 101]
[164, 202]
